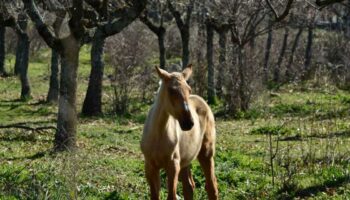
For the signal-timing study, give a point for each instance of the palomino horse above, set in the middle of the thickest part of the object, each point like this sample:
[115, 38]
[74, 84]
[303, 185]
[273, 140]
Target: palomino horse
[179, 128]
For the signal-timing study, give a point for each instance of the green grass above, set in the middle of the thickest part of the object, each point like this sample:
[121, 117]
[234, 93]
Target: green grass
[310, 124]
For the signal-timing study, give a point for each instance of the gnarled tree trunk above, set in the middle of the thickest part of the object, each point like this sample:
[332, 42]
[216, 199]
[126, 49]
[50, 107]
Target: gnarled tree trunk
[65, 137]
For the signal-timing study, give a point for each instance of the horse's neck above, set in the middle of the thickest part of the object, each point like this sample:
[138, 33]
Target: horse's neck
[160, 116]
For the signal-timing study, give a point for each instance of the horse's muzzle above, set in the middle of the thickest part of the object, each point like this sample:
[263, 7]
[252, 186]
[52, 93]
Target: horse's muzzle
[186, 125]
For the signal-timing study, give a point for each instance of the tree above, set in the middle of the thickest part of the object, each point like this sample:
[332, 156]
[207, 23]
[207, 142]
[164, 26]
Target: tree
[183, 24]
[68, 48]
[154, 18]
[17, 19]
[111, 22]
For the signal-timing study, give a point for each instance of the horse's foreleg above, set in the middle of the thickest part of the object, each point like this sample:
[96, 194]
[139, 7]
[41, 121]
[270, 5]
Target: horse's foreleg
[187, 182]
[172, 171]
[153, 179]
[206, 161]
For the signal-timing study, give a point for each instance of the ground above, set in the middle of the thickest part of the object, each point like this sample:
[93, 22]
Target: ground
[308, 124]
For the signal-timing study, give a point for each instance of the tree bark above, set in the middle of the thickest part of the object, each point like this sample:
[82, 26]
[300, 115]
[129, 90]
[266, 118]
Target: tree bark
[161, 44]
[65, 137]
[184, 27]
[242, 90]
[93, 100]
[222, 62]
[276, 73]
[23, 73]
[2, 51]
[211, 75]
[22, 56]
[267, 54]
[291, 58]
[308, 53]
[185, 41]
[52, 96]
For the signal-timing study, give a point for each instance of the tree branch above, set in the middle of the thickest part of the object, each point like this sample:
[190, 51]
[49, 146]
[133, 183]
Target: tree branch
[42, 28]
[285, 12]
[176, 14]
[327, 2]
[126, 17]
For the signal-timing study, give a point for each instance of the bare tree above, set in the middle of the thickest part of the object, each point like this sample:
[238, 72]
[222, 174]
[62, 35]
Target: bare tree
[183, 24]
[111, 21]
[17, 19]
[155, 17]
[68, 47]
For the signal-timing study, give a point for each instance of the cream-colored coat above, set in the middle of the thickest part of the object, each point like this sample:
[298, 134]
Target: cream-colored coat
[166, 146]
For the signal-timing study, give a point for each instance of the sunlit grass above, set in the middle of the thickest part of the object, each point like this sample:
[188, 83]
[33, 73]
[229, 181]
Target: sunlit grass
[311, 125]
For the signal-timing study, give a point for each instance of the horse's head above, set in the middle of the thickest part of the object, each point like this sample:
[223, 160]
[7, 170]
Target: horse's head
[175, 96]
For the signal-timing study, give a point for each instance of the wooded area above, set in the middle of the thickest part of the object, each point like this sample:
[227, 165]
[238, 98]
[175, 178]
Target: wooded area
[80, 74]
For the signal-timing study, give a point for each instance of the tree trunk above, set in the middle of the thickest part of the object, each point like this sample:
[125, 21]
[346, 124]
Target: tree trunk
[233, 96]
[22, 56]
[222, 62]
[65, 137]
[93, 100]
[276, 73]
[243, 87]
[185, 40]
[52, 96]
[211, 75]
[24, 61]
[161, 44]
[2, 51]
[291, 58]
[19, 52]
[308, 53]
[267, 55]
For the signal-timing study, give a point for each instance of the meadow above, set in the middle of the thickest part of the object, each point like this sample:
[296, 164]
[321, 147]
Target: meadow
[293, 143]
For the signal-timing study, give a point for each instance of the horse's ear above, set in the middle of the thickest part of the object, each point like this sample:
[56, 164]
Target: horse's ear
[187, 71]
[164, 75]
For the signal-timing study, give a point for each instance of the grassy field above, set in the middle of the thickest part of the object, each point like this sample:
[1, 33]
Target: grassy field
[303, 129]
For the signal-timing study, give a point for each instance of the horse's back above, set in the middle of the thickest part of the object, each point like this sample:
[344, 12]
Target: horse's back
[207, 122]
[202, 108]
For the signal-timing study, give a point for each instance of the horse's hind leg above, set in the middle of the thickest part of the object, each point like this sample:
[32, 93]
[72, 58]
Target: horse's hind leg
[153, 179]
[187, 182]
[206, 160]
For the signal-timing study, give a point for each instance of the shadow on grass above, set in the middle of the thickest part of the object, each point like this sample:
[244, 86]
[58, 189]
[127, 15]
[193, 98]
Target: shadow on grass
[35, 156]
[344, 133]
[328, 187]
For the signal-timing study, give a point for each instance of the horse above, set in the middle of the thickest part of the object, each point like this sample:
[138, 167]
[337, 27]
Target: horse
[179, 128]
